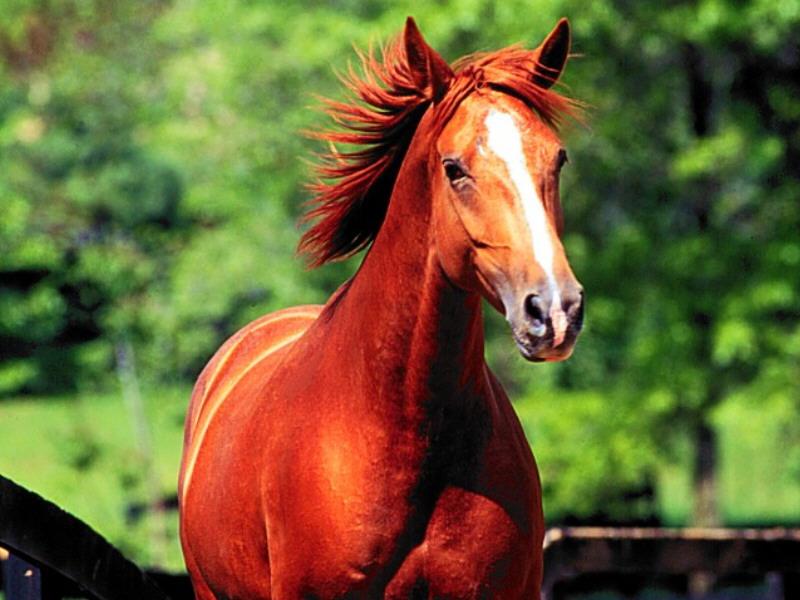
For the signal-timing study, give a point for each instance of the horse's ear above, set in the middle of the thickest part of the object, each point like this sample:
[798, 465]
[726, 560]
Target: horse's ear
[432, 75]
[552, 54]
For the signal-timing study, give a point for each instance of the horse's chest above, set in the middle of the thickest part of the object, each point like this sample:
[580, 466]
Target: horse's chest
[354, 506]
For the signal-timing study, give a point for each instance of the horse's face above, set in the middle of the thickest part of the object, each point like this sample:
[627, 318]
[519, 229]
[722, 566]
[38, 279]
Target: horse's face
[498, 220]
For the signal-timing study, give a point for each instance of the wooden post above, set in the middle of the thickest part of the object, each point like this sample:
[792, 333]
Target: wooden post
[23, 581]
[157, 522]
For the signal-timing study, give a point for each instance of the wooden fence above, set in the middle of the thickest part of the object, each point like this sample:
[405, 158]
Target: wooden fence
[52, 554]
[688, 562]
[48, 554]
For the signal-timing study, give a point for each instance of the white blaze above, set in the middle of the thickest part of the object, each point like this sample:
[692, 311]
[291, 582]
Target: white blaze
[505, 140]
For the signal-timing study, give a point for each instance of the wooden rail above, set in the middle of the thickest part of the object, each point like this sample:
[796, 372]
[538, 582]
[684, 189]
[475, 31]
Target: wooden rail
[43, 538]
[655, 554]
[55, 555]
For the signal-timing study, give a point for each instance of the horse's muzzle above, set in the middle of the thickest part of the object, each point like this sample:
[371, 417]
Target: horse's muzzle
[548, 325]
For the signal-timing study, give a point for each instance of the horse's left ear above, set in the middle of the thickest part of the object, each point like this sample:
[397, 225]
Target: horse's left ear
[432, 75]
[551, 55]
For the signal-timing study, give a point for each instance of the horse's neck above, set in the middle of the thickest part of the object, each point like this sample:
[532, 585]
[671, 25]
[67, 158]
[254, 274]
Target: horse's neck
[421, 337]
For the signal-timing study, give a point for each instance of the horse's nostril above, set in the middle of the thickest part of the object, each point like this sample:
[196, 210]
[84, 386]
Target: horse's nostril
[535, 309]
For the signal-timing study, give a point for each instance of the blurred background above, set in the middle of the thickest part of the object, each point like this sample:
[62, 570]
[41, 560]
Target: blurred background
[151, 176]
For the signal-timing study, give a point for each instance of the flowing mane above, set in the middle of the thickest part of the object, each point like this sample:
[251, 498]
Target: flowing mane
[352, 190]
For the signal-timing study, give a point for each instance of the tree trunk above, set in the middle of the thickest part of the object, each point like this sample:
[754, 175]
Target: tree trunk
[704, 478]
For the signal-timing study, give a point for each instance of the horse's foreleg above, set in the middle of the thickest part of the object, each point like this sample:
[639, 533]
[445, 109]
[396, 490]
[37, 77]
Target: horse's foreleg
[408, 582]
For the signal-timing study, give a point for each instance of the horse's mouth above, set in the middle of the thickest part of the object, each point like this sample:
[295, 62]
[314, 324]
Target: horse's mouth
[540, 349]
[527, 350]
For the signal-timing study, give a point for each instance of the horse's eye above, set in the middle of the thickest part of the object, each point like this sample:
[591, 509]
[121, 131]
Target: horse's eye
[454, 171]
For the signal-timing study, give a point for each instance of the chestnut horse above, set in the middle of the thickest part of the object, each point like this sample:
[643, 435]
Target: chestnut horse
[363, 449]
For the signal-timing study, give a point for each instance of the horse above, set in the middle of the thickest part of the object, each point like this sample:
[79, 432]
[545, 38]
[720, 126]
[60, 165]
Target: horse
[364, 449]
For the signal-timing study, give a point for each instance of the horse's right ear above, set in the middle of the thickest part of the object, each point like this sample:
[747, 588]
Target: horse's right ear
[432, 75]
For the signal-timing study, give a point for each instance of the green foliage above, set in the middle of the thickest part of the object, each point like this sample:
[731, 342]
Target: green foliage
[89, 207]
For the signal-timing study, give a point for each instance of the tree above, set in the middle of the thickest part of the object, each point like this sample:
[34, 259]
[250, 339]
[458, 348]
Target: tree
[87, 209]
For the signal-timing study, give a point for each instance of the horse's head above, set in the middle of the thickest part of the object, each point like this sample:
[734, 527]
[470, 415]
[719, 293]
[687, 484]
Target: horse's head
[487, 131]
[495, 169]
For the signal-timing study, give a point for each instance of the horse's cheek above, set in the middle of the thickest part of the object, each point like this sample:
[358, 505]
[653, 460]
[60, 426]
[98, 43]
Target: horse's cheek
[454, 249]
